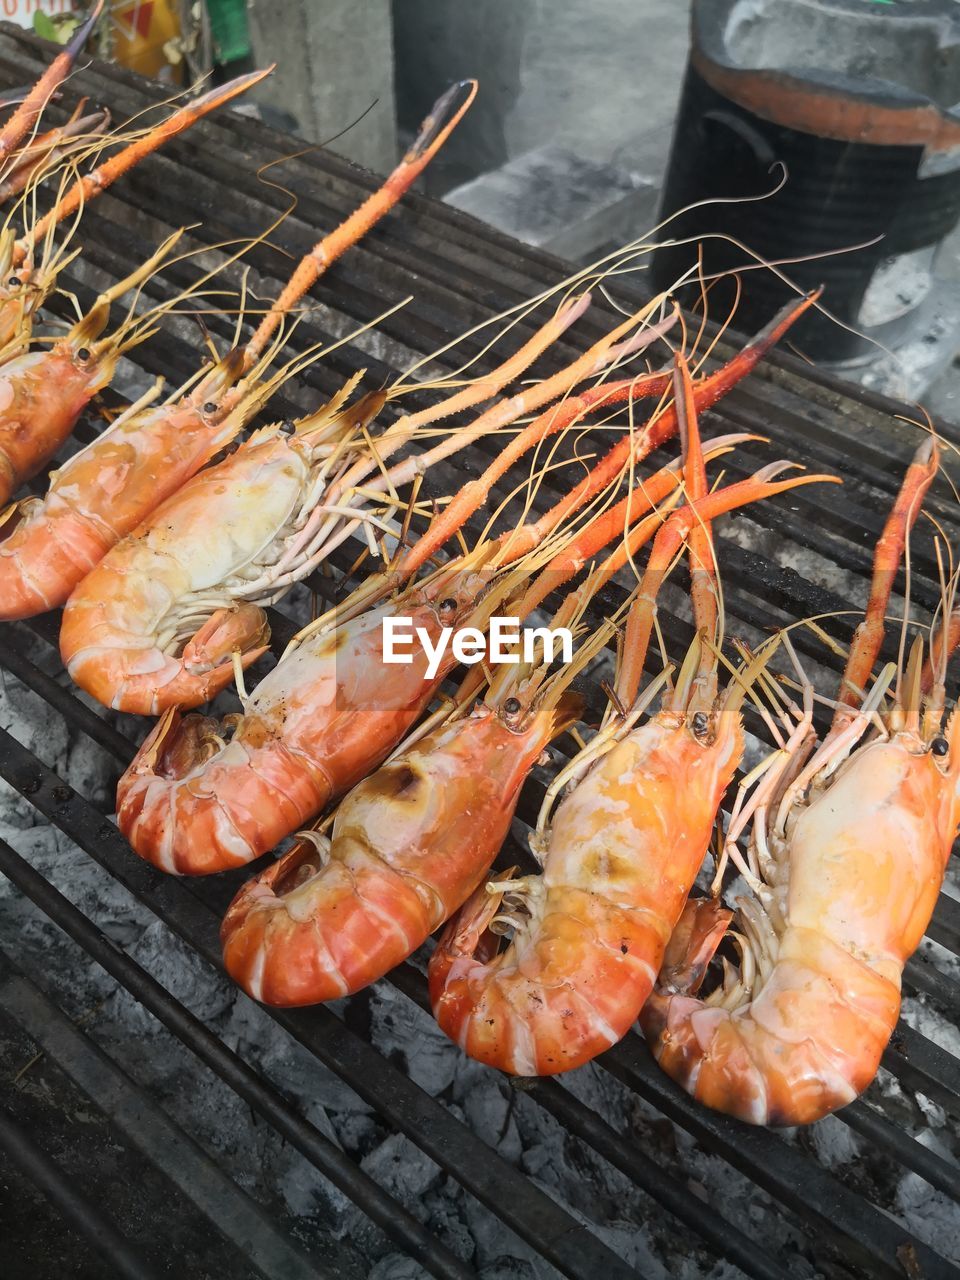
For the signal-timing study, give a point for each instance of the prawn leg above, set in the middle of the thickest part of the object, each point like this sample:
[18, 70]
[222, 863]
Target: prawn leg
[444, 117]
[94, 183]
[31, 108]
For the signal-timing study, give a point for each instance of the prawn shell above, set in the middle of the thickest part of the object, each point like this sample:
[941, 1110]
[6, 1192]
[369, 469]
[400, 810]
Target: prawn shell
[625, 847]
[196, 541]
[328, 713]
[42, 394]
[409, 845]
[94, 500]
[866, 858]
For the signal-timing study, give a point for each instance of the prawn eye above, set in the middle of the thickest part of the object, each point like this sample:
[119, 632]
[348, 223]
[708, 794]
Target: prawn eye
[288, 428]
[940, 747]
[83, 355]
[13, 282]
[210, 407]
[511, 707]
[449, 605]
[700, 724]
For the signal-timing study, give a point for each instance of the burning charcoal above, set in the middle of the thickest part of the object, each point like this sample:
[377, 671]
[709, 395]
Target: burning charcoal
[500, 1254]
[934, 1216]
[507, 1268]
[182, 972]
[402, 1169]
[489, 1102]
[41, 730]
[396, 1267]
[356, 1131]
[444, 1206]
[400, 1030]
[291, 1068]
[835, 1143]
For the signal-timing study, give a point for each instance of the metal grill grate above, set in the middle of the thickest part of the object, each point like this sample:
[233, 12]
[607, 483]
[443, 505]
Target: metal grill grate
[458, 272]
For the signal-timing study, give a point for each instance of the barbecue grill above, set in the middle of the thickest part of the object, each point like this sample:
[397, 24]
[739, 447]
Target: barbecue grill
[840, 1222]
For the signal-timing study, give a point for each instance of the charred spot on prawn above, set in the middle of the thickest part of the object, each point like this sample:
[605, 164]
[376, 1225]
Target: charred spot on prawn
[399, 783]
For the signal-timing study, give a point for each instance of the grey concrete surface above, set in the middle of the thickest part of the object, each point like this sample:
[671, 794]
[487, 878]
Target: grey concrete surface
[334, 59]
[557, 199]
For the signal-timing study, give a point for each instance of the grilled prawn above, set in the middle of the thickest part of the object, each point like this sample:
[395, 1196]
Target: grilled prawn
[157, 623]
[42, 393]
[848, 846]
[625, 845]
[103, 492]
[30, 264]
[202, 796]
[407, 846]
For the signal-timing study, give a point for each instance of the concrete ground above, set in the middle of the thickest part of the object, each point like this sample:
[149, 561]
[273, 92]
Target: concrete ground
[603, 77]
[599, 76]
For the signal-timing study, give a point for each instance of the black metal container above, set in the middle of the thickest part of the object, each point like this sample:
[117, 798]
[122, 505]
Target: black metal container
[854, 107]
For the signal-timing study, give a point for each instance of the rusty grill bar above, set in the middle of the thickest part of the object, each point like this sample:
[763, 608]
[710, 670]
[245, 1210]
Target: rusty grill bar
[458, 273]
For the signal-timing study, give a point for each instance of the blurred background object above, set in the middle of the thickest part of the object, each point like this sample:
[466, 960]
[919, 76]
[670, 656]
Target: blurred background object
[146, 37]
[849, 114]
[336, 60]
[568, 147]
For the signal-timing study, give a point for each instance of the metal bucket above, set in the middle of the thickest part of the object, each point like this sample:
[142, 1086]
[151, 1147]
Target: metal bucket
[854, 105]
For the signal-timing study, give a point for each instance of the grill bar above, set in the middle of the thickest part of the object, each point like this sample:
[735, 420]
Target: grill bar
[924, 1066]
[328, 1159]
[536, 1218]
[868, 1236]
[239, 1219]
[721, 1234]
[927, 1064]
[888, 1138]
[76, 1208]
[757, 1153]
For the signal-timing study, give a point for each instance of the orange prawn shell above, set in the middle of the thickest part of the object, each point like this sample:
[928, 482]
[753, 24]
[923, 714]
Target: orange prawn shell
[625, 848]
[316, 724]
[42, 394]
[107, 640]
[409, 844]
[644, 855]
[94, 500]
[866, 859]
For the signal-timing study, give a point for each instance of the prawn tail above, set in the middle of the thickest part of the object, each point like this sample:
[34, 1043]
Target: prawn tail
[740, 1055]
[467, 934]
[467, 946]
[306, 931]
[149, 692]
[144, 681]
[192, 804]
